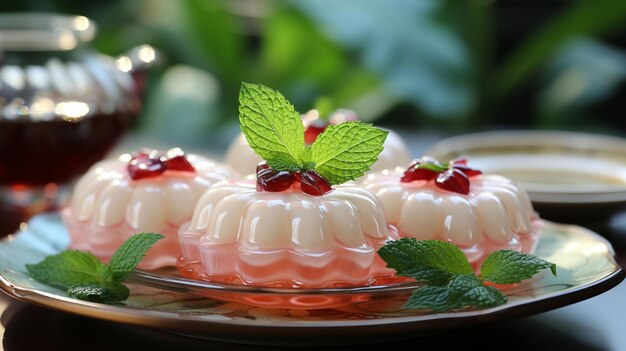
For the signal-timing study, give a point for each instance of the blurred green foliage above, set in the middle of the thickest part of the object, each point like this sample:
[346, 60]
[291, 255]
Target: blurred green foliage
[419, 64]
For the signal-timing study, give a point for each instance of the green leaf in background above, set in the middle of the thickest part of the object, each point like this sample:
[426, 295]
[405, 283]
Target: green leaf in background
[217, 35]
[270, 124]
[324, 106]
[346, 151]
[583, 73]
[508, 267]
[306, 69]
[418, 58]
[598, 17]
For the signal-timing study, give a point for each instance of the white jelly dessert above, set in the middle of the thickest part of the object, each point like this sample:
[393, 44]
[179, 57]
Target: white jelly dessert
[144, 192]
[395, 152]
[452, 202]
[296, 224]
[288, 238]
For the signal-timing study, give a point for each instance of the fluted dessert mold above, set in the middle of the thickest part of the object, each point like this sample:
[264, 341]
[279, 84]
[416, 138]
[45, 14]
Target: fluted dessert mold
[496, 214]
[107, 207]
[285, 239]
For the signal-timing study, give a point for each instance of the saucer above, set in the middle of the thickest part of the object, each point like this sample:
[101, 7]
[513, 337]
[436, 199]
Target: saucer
[561, 171]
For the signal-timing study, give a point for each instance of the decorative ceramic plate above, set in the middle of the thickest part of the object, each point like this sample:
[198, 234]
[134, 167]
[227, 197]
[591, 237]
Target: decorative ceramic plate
[586, 267]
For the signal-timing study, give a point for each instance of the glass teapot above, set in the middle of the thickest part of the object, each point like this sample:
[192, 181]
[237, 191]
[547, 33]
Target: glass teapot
[63, 105]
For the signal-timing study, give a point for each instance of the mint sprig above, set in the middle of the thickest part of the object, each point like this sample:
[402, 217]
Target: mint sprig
[83, 276]
[275, 132]
[451, 282]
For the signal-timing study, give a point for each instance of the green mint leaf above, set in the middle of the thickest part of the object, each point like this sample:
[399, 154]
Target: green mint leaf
[483, 297]
[432, 167]
[132, 251]
[283, 162]
[70, 268]
[464, 282]
[468, 291]
[431, 261]
[270, 124]
[113, 292]
[462, 291]
[86, 278]
[433, 298]
[346, 151]
[508, 267]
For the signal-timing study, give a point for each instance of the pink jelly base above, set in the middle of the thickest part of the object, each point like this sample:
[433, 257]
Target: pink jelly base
[336, 267]
[104, 241]
[233, 263]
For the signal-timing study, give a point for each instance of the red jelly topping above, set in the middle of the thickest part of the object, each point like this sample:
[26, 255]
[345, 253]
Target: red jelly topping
[269, 179]
[311, 182]
[153, 164]
[453, 180]
[451, 177]
[146, 165]
[180, 163]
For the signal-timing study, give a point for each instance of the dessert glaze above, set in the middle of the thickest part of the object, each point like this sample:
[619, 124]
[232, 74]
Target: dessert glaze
[496, 214]
[285, 239]
[107, 207]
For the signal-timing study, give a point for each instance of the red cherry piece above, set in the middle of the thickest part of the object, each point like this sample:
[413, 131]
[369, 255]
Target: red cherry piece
[453, 180]
[470, 172]
[180, 163]
[313, 183]
[311, 133]
[268, 179]
[412, 174]
[146, 165]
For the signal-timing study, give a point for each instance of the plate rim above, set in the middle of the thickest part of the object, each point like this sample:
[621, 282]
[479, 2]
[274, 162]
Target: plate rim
[544, 138]
[120, 313]
[178, 321]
